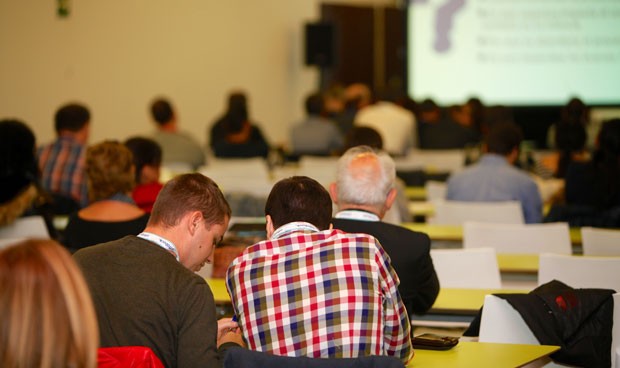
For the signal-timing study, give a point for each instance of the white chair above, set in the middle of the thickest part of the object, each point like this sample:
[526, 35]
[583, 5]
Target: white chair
[457, 212]
[25, 227]
[247, 175]
[321, 169]
[501, 323]
[432, 160]
[518, 238]
[580, 271]
[171, 169]
[435, 190]
[600, 242]
[467, 268]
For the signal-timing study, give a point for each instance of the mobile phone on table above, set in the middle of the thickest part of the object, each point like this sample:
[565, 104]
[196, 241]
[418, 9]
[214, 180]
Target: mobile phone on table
[430, 341]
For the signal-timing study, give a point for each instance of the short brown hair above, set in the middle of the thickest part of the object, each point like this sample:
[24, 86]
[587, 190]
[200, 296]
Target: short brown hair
[48, 317]
[503, 138]
[186, 193]
[299, 198]
[109, 170]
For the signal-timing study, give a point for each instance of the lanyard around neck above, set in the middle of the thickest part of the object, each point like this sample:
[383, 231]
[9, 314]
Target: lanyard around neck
[164, 243]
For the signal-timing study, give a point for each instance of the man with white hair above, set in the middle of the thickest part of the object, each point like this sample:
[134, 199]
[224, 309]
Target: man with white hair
[363, 192]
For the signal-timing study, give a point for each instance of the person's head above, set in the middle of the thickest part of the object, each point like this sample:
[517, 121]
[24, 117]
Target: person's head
[109, 170]
[162, 111]
[73, 119]
[18, 169]
[314, 104]
[237, 101]
[363, 136]
[298, 198]
[147, 156]
[358, 94]
[428, 112]
[365, 180]
[608, 151]
[575, 112]
[504, 139]
[193, 205]
[48, 315]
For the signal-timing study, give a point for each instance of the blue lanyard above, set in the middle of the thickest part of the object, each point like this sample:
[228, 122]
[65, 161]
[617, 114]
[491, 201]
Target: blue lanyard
[293, 227]
[357, 215]
[158, 240]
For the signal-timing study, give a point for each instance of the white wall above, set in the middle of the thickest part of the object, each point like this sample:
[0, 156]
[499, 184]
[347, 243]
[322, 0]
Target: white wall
[116, 55]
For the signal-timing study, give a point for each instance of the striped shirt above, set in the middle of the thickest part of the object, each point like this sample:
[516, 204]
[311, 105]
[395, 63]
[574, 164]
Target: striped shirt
[62, 168]
[319, 294]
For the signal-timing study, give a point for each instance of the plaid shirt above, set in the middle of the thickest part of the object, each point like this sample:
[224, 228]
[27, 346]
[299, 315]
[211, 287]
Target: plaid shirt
[62, 168]
[320, 294]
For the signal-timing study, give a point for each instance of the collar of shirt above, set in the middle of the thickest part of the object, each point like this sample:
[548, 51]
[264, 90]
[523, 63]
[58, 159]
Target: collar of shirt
[164, 243]
[493, 159]
[359, 215]
[293, 227]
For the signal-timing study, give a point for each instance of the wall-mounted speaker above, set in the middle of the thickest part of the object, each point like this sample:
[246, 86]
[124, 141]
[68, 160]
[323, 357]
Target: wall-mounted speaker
[319, 44]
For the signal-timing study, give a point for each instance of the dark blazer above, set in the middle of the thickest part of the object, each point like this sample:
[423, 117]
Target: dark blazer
[410, 255]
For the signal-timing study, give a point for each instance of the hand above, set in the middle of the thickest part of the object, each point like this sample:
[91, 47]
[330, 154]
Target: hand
[229, 331]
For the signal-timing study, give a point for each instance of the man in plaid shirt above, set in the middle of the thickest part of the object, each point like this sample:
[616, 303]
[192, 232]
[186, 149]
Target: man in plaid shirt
[313, 291]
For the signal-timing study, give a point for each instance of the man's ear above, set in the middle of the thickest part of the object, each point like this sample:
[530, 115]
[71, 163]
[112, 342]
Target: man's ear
[269, 226]
[333, 191]
[194, 220]
[391, 197]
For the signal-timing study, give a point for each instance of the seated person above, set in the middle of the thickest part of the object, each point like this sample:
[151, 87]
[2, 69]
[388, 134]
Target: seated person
[494, 178]
[315, 135]
[20, 194]
[112, 213]
[147, 161]
[312, 291]
[363, 179]
[48, 315]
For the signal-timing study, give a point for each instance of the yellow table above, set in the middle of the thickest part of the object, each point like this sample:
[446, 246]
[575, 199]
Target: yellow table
[478, 354]
[465, 301]
[218, 287]
[518, 263]
[415, 193]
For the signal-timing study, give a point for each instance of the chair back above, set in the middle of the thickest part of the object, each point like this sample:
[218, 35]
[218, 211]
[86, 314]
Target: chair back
[319, 168]
[435, 190]
[458, 212]
[245, 175]
[580, 271]
[467, 268]
[127, 357]
[600, 242]
[25, 227]
[518, 238]
[448, 160]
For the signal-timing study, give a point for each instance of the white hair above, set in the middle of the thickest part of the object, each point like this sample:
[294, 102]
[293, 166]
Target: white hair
[365, 184]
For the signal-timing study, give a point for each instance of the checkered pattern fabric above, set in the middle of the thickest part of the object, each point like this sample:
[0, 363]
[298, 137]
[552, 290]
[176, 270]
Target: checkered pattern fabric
[62, 168]
[319, 294]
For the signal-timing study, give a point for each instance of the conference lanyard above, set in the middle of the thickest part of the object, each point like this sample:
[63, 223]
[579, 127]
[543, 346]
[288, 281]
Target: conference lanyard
[293, 227]
[357, 215]
[158, 240]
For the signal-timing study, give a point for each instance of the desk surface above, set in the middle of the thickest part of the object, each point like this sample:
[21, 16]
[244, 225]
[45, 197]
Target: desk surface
[477, 354]
[465, 301]
[218, 287]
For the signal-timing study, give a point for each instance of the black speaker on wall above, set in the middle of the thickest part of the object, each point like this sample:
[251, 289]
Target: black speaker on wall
[319, 44]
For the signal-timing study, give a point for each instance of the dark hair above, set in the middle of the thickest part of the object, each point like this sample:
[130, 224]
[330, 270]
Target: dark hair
[145, 152]
[608, 151]
[363, 136]
[299, 198]
[237, 101]
[161, 111]
[71, 117]
[503, 138]
[186, 193]
[314, 104]
[575, 112]
[18, 166]
[569, 138]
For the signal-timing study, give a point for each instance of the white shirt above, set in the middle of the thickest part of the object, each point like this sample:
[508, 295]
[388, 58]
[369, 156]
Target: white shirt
[396, 125]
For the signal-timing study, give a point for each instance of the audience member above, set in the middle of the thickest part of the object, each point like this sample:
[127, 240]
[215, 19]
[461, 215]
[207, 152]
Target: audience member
[20, 194]
[62, 161]
[178, 147]
[452, 131]
[147, 162]
[396, 124]
[145, 288]
[494, 178]
[234, 135]
[575, 112]
[336, 293]
[112, 213]
[315, 135]
[364, 192]
[48, 316]
[570, 141]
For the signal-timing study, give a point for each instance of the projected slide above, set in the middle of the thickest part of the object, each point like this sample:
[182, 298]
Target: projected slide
[515, 52]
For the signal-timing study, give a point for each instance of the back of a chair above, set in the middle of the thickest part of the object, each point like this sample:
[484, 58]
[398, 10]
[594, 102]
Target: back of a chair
[458, 212]
[127, 357]
[247, 175]
[449, 160]
[321, 169]
[467, 268]
[25, 227]
[435, 190]
[600, 242]
[580, 271]
[518, 238]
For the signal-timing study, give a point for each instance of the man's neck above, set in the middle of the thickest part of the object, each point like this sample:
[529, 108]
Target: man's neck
[361, 207]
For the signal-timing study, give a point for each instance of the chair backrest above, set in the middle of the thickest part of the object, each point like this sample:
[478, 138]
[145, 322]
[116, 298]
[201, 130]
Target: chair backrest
[247, 175]
[457, 212]
[600, 242]
[467, 268]
[501, 323]
[448, 160]
[518, 238]
[435, 190]
[25, 227]
[321, 169]
[580, 271]
[127, 356]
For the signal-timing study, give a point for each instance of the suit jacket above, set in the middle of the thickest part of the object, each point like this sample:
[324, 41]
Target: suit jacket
[410, 255]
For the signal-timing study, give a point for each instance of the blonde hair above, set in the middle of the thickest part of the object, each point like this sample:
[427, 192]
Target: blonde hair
[10, 211]
[48, 316]
[109, 168]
